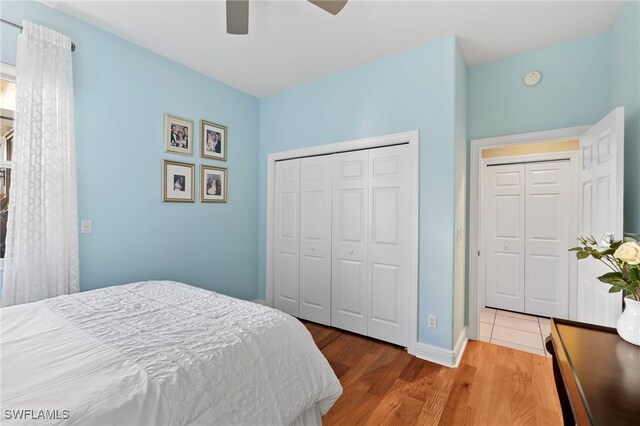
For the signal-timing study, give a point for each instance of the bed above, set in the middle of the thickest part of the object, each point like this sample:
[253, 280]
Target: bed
[159, 353]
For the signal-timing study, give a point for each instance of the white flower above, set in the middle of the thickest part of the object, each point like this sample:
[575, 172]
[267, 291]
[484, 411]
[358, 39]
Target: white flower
[605, 241]
[629, 253]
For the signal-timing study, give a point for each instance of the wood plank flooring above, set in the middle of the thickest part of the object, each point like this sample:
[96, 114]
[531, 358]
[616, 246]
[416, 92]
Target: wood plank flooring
[384, 385]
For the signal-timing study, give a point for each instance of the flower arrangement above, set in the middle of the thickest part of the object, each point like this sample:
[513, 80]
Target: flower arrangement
[622, 257]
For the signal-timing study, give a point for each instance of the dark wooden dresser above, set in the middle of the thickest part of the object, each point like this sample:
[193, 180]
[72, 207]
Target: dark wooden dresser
[597, 374]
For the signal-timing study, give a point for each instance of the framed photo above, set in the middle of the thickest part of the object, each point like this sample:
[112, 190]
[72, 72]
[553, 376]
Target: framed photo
[213, 184]
[178, 182]
[214, 141]
[178, 135]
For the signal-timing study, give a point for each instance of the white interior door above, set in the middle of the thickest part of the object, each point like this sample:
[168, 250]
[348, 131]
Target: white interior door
[315, 239]
[389, 253]
[601, 203]
[349, 241]
[547, 234]
[504, 228]
[287, 239]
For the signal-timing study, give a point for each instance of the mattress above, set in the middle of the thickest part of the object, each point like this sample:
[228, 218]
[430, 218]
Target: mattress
[158, 352]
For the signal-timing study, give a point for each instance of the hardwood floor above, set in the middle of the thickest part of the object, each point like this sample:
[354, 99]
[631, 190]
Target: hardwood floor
[383, 384]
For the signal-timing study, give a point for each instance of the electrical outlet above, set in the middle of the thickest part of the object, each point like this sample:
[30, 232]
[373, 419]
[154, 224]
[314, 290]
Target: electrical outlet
[433, 321]
[87, 226]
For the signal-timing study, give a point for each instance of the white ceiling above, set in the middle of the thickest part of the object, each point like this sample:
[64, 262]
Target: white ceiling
[293, 42]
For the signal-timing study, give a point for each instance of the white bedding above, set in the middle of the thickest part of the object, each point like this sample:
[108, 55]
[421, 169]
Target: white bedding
[159, 352]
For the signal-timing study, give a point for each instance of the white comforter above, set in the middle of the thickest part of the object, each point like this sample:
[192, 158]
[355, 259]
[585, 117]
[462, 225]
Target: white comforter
[159, 352]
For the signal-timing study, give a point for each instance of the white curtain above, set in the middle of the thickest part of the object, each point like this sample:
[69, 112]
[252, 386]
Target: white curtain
[41, 258]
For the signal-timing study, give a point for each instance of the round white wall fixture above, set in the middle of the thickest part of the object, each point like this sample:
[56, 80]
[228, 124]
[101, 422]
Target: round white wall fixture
[532, 78]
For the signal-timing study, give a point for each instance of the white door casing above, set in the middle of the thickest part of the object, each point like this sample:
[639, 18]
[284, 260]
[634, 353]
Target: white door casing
[504, 204]
[349, 287]
[547, 238]
[315, 239]
[601, 211]
[287, 236]
[389, 247]
[477, 247]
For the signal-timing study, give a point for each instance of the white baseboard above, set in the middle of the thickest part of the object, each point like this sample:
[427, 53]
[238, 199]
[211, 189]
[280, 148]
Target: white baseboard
[448, 358]
[260, 302]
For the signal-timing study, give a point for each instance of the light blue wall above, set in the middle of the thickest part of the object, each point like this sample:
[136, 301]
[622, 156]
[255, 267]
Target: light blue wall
[625, 38]
[408, 91]
[575, 89]
[121, 94]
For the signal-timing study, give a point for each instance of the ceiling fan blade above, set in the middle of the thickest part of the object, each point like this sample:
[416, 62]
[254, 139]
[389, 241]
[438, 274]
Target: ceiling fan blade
[238, 17]
[332, 6]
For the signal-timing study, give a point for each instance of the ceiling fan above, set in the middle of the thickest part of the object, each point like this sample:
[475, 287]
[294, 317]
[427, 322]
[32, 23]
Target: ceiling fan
[238, 13]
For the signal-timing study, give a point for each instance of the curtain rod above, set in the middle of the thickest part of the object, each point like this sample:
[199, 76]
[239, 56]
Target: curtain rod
[13, 24]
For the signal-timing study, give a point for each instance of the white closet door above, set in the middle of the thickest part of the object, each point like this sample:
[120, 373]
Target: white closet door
[601, 202]
[505, 235]
[547, 239]
[389, 252]
[287, 239]
[349, 241]
[315, 239]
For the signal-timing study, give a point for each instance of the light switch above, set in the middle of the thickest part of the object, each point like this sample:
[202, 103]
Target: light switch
[87, 226]
[433, 321]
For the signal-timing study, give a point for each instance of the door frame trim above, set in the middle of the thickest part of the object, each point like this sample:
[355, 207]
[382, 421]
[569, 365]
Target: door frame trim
[475, 185]
[412, 138]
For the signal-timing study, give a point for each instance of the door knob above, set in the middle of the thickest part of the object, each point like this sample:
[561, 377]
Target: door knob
[313, 249]
[506, 246]
[350, 251]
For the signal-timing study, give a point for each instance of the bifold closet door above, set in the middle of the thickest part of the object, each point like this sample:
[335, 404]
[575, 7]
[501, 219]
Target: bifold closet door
[287, 239]
[315, 239]
[547, 239]
[504, 227]
[349, 286]
[389, 252]
[526, 216]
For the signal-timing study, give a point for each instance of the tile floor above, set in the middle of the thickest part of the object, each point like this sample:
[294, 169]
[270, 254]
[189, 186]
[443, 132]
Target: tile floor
[514, 330]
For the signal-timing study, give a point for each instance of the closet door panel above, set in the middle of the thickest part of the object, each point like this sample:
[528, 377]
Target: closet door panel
[287, 238]
[385, 289]
[351, 275]
[350, 214]
[547, 239]
[504, 228]
[388, 231]
[349, 241]
[315, 239]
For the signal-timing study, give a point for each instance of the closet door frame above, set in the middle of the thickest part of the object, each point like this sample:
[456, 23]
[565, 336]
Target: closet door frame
[475, 183]
[412, 138]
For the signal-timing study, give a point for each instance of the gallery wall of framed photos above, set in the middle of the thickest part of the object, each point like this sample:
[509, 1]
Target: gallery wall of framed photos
[178, 177]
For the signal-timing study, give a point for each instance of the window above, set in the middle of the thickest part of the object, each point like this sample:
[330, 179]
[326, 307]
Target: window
[7, 116]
